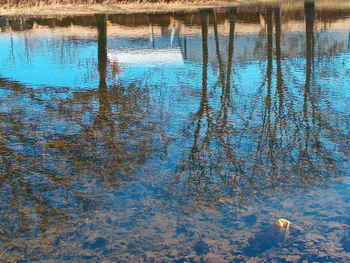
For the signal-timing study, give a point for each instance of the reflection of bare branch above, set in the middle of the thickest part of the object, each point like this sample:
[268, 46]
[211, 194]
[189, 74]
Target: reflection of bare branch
[218, 165]
[205, 160]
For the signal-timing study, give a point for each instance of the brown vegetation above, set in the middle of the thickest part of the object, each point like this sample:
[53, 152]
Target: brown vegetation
[84, 7]
[75, 7]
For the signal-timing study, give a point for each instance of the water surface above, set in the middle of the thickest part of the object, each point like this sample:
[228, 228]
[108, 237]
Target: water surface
[175, 137]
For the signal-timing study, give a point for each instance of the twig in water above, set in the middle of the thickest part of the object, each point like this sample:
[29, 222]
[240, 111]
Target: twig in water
[3, 252]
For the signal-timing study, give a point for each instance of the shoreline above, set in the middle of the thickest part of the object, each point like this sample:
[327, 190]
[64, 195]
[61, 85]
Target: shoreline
[151, 8]
[124, 8]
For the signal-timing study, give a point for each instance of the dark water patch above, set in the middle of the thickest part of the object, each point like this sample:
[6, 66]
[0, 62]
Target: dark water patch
[99, 242]
[201, 248]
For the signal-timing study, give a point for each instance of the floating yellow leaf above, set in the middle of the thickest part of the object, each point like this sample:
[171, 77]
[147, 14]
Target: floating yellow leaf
[282, 223]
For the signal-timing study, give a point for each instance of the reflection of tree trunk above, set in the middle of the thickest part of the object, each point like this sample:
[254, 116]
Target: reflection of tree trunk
[269, 78]
[102, 65]
[224, 132]
[105, 112]
[227, 91]
[280, 85]
[204, 99]
[309, 10]
[278, 59]
[218, 54]
[230, 47]
[269, 56]
[309, 24]
[102, 48]
[266, 125]
[204, 25]
[195, 160]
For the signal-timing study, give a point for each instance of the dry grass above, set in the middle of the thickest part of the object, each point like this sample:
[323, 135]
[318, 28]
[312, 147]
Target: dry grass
[97, 3]
[81, 7]
[84, 7]
[19, 3]
[76, 7]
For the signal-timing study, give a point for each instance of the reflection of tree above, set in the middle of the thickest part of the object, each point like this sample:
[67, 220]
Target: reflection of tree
[288, 153]
[211, 152]
[199, 171]
[23, 189]
[286, 161]
[109, 134]
[79, 147]
[39, 161]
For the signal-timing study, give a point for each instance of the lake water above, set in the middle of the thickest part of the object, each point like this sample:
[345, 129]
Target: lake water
[176, 137]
